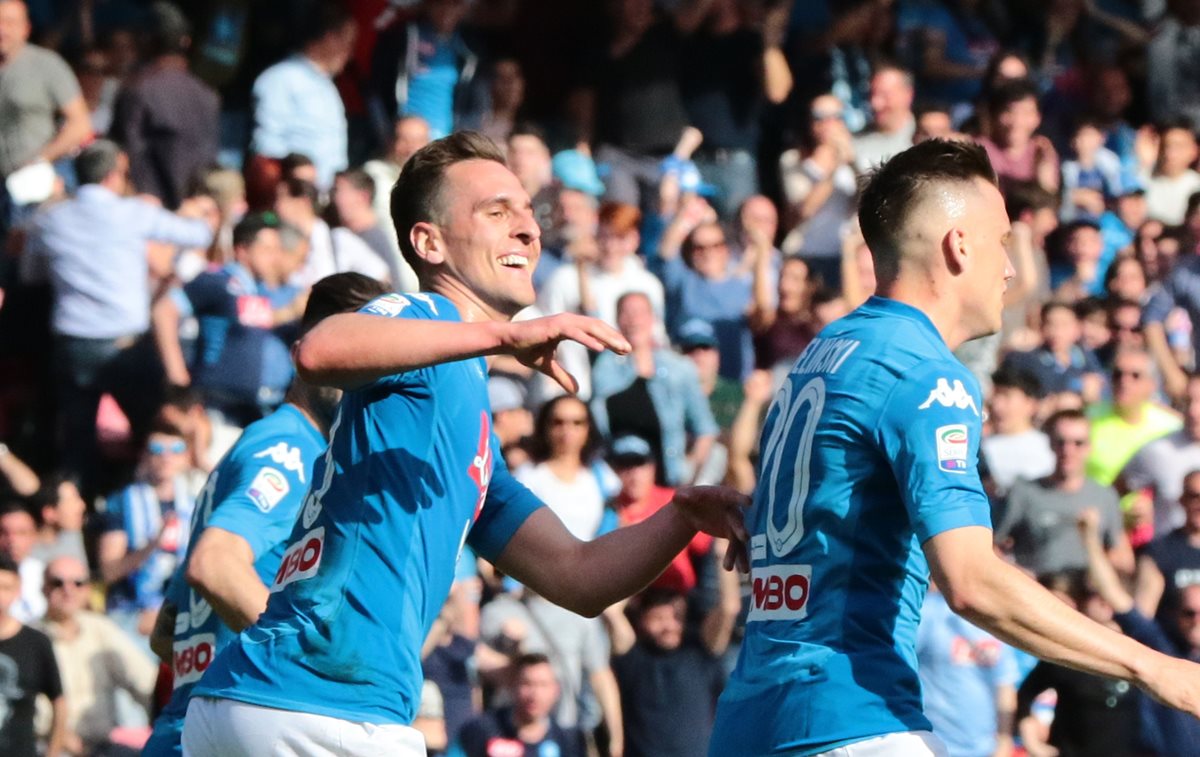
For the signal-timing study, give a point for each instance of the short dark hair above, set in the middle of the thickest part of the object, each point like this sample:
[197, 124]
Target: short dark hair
[417, 195]
[1012, 377]
[631, 293]
[529, 660]
[96, 161]
[895, 188]
[1008, 92]
[1069, 414]
[317, 18]
[8, 564]
[300, 189]
[1028, 196]
[170, 30]
[339, 293]
[1052, 305]
[359, 179]
[11, 506]
[528, 129]
[248, 229]
[290, 162]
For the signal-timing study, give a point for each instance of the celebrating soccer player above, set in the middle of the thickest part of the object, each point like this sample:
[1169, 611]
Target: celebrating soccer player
[868, 482]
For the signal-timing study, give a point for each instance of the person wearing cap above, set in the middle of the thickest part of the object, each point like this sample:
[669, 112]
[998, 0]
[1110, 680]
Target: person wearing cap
[511, 419]
[242, 364]
[653, 392]
[93, 249]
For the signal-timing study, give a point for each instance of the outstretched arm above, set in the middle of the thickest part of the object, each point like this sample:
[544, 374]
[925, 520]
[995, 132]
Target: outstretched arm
[1004, 601]
[586, 577]
[352, 349]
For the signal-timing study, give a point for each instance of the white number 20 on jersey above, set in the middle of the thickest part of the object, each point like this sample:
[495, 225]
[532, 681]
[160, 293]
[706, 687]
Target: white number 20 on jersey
[789, 445]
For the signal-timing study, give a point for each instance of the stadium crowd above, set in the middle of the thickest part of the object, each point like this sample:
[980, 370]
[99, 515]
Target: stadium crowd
[174, 178]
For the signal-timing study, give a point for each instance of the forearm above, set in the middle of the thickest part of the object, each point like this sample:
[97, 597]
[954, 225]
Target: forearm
[701, 449]
[21, 478]
[221, 568]
[70, 136]
[777, 75]
[118, 568]
[58, 728]
[1006, 705]
[604, 684]
[352, 349]
[1103, 575]
[1174, 377]
[165, 321]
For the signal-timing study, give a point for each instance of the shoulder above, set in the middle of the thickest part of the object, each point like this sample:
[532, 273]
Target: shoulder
[418, 305]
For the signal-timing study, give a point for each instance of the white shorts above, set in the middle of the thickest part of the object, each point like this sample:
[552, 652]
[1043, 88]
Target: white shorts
[908, 744]
[225, 728]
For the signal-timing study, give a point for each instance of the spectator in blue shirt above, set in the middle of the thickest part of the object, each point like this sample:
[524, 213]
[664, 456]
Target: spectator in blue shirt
[1060, 364]
[93, 249]
[242, 365]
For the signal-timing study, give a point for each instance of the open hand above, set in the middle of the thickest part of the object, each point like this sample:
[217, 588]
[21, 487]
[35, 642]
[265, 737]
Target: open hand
[534, 342]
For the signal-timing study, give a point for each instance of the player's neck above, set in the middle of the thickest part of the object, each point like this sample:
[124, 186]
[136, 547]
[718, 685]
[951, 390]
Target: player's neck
[943, 311]
[9, 626]
[471, 307]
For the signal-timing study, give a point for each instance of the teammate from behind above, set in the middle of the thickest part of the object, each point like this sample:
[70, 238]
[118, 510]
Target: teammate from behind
[412, 473]
[245, 513]
[868, 482]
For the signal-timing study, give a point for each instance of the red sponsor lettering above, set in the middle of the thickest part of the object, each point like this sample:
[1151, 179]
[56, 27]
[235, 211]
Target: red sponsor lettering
[255, 312]
[191, 657]
[780, 592]
[301, 560]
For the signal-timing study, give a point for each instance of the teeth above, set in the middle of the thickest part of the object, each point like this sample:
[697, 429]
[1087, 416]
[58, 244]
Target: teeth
[517, 260]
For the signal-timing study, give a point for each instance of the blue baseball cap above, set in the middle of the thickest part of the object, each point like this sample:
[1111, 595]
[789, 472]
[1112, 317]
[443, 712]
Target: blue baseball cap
[630, 450]
[696, 333]
[577, 171]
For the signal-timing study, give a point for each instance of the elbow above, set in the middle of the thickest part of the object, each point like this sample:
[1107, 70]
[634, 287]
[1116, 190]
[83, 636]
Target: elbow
[311, 361]
[200, 570]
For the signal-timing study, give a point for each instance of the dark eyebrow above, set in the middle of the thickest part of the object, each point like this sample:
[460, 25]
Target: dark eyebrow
[503, 199]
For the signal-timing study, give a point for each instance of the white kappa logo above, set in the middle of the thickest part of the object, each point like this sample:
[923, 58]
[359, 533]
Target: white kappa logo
[288, 457]
[951, 396]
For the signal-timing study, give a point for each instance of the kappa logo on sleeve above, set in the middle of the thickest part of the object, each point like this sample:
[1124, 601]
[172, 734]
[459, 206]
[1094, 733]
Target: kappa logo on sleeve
[387, 305]
[268, 489]
[285, 455]
[953, 443]
[948, 395]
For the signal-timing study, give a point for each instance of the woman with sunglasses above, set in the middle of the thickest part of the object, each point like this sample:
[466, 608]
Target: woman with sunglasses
[566, 473]
[145, 529]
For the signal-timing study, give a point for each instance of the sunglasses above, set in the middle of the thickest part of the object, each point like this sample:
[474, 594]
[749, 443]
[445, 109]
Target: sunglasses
[1135, 375]
[175, 448]
[54, 582]
[1078, 442]
[1188, 612]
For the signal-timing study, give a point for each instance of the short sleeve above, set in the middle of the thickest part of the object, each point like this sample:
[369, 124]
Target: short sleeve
[414, 305]
[508, 505]
[51, 682]
[1136, 473]
[264, 494]
[113, 518]
[930, 430]
[64, 87]
[204, 294]
[1162, 299]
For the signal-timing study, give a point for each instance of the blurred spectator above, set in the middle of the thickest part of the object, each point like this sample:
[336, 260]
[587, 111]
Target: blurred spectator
[95, 660]
[330, 250]
[893, 123]
[934, 122]
[782, 325]
[965, 671]
[1081, 271]
[1180, 290]
[1091, 177]
[1015, 450]
[453, 669]
[16, 475]
[729, 70]
[671, 676]
[821, 189]
[577, 648]
[94, 247]
[1017, 151]
[1160, 466]
[1171, 563]
[1164, 731]
[99, 89]
[703, 281]
[353, 200]
[566, 473]
[653, 393]
[166, 117]
[527, 727]
[62, 512]
[18, 537]
[296, 106]
[529, 158]
[409, 134]
[1130, 420]
[1091, 715]
[639, 498]
[511, 420]
[425, 68]
[1166, 170]
[507, 89]
[242, 362]
[1060, 363]
[42, 114]
[27, 659]
[957, 42]
[593, 286]
[1039, 516]
[1109, 96]
[1172, 56]
[632, 106]
[698, 341]
[145, 531]
[1123, 321]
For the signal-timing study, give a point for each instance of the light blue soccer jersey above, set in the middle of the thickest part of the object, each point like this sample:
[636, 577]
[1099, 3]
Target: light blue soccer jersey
[868, 450]
[412, 472]
[255, 492]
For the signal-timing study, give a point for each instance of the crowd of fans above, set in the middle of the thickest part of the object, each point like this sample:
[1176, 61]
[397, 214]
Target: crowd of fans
[175, 177]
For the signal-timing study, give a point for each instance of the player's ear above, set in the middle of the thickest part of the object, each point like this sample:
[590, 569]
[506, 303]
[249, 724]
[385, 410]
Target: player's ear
[955, 250]
[427, 240]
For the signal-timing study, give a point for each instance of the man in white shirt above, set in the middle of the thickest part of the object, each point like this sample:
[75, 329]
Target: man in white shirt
[1162, 465]
[891, 99]
[1015, 449]
[330, 251]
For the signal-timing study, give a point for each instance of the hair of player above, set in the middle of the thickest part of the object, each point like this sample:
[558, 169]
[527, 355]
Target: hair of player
[417, 195]
[895, 189]
[339, 293]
